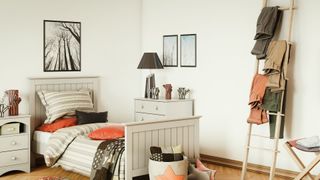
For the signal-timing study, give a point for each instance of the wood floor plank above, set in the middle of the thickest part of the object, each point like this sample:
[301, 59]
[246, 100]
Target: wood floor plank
[223, 173]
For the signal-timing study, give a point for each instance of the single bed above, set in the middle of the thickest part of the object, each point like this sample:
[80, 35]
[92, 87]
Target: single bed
[139, 136]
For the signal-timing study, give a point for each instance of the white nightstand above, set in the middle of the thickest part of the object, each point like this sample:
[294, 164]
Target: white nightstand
[153, 109]
[15, 148]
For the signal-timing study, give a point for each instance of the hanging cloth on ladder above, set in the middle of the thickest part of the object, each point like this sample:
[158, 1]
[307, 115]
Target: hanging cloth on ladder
[273, 66]
[258, 87]
[266, 26]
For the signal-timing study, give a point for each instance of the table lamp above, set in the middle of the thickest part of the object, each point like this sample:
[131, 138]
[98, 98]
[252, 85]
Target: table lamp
[150, 60]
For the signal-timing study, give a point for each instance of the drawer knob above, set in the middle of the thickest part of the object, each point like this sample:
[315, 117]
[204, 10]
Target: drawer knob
[13, 158]
[142, 119]
[157, 108]
[13, 143]
[142, 106]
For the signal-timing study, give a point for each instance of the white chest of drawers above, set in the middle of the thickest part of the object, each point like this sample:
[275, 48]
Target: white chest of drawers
[153, 109]
[15, 148]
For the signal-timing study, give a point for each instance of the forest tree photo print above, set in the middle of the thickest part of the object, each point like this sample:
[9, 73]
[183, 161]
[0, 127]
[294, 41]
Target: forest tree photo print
[62, 46]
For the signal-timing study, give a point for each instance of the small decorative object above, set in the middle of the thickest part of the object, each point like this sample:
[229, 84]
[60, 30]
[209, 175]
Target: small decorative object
[155, 93]
[182, 92]
[150, 61]
[188, 50]
[3, 106]
[3, 109]
[168, 88]
[62, 40]
[170, 50]
[14, 101]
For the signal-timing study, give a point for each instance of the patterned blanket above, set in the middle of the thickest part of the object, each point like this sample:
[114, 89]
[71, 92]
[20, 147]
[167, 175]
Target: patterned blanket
[108, 159]
[60, 140]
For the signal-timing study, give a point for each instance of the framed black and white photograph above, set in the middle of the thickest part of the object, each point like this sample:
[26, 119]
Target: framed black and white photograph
[188, 50]
[170, 50]
[62, 46]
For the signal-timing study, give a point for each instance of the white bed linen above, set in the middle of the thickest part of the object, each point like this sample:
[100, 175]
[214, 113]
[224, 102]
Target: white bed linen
[40, 141]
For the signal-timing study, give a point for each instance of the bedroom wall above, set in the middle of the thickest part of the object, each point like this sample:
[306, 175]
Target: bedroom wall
[110, 47]
[221, 82]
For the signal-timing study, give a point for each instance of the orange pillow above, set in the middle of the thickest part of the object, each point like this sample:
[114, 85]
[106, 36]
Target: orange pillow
[112, 131]
[58, 124]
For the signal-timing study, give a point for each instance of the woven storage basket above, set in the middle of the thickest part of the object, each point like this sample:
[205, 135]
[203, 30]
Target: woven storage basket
[157, 168]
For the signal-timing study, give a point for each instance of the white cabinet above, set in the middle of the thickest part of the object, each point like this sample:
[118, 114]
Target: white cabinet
[154, 109]
[15, 143]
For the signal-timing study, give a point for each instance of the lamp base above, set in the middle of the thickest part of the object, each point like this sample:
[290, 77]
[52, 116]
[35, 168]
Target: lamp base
[150, 83]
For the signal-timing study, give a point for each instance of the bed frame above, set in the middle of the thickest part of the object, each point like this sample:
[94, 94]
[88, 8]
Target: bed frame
[139, 135]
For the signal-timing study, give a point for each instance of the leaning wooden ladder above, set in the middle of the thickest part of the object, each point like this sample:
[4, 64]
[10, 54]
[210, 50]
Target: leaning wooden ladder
[279, 114]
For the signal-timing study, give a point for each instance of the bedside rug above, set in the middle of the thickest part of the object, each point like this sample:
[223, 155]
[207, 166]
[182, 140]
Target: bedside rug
[53, 178]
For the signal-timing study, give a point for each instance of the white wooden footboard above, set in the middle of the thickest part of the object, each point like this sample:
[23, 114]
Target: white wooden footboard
[139, 136]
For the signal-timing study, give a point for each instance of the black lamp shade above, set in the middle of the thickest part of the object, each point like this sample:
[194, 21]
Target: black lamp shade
[150, 61]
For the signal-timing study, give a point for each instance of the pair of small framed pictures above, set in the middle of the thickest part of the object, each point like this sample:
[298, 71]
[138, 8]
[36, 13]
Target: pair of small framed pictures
[188, 50]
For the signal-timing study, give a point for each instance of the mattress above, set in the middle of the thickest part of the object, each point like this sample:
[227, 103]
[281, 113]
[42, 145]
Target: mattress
[39, 141]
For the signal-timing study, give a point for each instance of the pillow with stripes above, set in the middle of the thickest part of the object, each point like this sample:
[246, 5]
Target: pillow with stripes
[62, 103]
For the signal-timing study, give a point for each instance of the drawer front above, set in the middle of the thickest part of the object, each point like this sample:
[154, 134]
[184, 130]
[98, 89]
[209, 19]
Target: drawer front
[11, 128]
[9, 143]
[14, 157]
[150, 107]
[147, 117]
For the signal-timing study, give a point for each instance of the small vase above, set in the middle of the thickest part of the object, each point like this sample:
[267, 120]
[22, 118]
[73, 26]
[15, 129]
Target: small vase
[14, 101]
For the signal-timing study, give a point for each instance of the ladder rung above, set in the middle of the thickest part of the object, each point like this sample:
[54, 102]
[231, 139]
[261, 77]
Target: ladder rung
[264, 149]
[275, 114]
[258, 135]
[286, 8]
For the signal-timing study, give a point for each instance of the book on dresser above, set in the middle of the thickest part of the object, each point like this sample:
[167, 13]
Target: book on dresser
[15, 143]
[154, 109]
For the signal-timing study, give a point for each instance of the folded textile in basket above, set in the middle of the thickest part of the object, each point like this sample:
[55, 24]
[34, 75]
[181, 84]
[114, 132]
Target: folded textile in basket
[310, 142]
[166, 154]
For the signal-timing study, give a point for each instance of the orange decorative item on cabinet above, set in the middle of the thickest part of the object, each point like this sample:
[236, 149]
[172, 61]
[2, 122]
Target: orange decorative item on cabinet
[168, 88]
[14, 101]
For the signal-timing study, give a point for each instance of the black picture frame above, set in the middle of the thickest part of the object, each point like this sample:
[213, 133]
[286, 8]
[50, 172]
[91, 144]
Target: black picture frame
[170, 51]
[61, 46]
[188, 50]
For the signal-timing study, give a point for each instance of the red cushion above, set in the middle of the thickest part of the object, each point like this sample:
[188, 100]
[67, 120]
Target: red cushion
[58, 124]
[113, 131]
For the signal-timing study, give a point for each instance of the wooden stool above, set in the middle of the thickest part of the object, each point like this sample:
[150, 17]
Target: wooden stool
[305, 170]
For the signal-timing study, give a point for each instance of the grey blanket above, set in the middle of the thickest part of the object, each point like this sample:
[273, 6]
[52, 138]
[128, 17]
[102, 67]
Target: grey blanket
[107, 160]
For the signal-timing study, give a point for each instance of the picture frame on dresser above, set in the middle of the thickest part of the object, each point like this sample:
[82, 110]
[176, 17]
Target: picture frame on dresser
[188, 50]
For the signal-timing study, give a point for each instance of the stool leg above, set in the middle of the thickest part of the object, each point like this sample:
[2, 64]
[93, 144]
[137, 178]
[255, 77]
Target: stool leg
[308, 168]
[296, 159]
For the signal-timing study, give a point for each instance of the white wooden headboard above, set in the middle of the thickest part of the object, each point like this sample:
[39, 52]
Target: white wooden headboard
[37, 110]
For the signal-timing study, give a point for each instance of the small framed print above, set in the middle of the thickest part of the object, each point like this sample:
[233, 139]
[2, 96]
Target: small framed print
[170, 50]
[188, 50]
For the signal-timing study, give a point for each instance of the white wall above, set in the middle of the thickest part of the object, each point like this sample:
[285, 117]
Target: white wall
[222, 79]
[110, 47]
[116, 32]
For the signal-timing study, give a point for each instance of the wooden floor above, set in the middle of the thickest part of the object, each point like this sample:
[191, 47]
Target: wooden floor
[223, 173]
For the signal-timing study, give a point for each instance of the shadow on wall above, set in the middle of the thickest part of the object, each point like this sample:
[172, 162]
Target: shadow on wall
[289, 95]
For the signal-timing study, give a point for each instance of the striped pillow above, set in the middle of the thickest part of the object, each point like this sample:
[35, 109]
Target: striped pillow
[63, 103]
